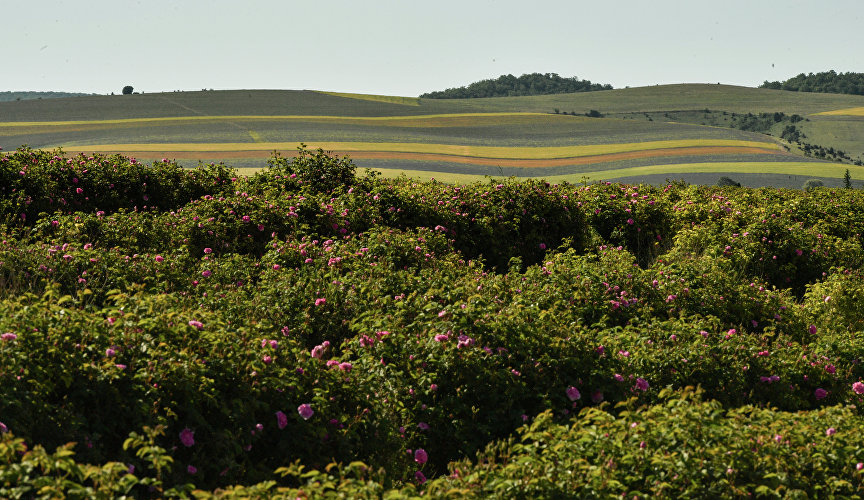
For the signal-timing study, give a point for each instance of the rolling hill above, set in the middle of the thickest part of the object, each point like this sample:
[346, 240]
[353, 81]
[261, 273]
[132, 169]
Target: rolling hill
[648, 133]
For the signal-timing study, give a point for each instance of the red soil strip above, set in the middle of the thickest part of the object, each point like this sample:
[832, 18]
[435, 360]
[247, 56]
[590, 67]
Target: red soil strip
[502, 162]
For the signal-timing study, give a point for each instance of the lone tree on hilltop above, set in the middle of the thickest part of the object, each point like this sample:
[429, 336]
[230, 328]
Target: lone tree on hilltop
[127, 90]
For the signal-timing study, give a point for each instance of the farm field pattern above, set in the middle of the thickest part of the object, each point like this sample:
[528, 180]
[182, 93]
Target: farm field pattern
[518, 136]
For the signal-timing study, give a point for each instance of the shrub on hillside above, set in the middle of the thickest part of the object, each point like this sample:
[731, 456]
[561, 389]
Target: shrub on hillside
[812, 184]
[316, 170]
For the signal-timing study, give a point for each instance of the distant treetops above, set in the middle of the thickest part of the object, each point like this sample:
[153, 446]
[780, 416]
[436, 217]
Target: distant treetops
[509, 85]
[827, 81]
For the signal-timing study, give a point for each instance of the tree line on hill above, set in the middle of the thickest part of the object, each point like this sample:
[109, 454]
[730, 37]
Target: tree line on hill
[527, 84]
[827, 81]
[23, 96]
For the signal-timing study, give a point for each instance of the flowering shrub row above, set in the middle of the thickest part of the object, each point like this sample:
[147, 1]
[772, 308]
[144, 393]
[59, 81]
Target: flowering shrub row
[272, 325]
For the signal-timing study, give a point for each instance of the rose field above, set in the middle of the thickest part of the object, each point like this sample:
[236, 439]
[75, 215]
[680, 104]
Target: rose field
[316, 331]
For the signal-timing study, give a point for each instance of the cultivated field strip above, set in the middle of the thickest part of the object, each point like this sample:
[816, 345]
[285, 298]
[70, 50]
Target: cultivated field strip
[843, 112]
[491, 152]
[432, 120]
[808, 169]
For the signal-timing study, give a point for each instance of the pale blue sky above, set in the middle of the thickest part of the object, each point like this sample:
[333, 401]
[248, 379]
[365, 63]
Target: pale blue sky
[408, 47]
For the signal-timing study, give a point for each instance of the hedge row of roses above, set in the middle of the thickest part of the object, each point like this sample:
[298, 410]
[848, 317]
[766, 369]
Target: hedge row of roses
[308, 315]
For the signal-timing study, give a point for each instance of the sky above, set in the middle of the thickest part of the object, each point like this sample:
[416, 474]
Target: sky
[407, 47]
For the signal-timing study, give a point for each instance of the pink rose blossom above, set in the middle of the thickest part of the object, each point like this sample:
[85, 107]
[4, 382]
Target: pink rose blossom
[320, 301]
[642, 384]
[420, 456]
[159, 258]
[191, 469]
[419, 477]
[305, 411]
[281, 420]
[318, 350]
[830, 431]
[206, 273]
[197, 324]
[8, 336]
[820, 393]
[187, 437]
[858, 387]
[573, 393]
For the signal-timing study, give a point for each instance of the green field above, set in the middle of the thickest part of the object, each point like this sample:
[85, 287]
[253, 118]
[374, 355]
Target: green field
[242, 127]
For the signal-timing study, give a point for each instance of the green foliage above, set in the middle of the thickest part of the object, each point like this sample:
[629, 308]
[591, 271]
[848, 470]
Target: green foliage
[683, 447]
[827, 81]
[318, 170]
[811, 184]
[36, 181]
[309, 335]
[527, 84]
[726, 181]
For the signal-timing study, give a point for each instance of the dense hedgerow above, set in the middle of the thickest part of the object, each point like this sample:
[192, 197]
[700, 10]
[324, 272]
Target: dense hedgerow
[36, 181]
[274, 325]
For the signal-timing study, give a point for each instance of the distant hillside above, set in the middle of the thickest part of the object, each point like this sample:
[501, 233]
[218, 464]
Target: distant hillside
[24, 96]
[827, 81]
[509, 85]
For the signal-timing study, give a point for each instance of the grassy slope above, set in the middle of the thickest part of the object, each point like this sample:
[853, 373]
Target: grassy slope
[289, 117]
[292, 102]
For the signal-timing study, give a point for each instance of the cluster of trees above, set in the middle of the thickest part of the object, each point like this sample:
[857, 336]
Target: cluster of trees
[827, 81]
[828, 153]
[509, 85]
[590, 114]
[761, 122]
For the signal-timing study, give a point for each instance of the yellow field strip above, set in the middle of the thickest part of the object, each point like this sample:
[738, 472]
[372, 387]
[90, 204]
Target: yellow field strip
[539, 153]
[810, 169]
[164, 119]
[407, 101]
[843, 112]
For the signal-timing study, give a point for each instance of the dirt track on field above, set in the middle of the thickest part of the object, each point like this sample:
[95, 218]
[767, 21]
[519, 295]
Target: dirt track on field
[502, 162]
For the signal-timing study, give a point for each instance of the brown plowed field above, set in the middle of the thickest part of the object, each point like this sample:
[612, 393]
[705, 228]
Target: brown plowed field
[503, 162]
